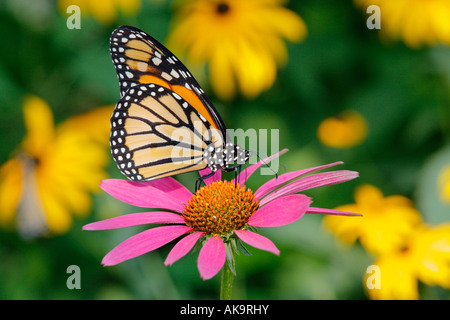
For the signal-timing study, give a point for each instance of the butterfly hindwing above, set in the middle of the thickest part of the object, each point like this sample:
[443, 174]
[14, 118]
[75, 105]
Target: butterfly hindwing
[156, 133]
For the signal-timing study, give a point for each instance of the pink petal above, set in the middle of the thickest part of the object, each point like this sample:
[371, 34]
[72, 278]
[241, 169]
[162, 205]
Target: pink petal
[211, 257]
[257, 241]
[215, 177]
[141, 194]
[312, 181]
[247, 172]
[276, 182]
[182, 248]
[171, 187]
[281, 211]
[135, 219]
[143, 242]
[332, 212]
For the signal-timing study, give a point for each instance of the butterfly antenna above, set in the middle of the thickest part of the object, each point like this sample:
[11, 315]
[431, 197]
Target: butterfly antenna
[266, 164]
[284, 167]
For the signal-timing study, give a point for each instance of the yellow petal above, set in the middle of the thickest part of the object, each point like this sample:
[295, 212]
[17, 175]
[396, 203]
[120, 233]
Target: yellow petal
[346, 230]
[39, 125]
[444, 184]
[387, 223]
[95, 123]
[440, 20]
[255, 70]
[368, 195]
[129, 7]
[432, 251]
[222, 78]
[283, 22]
[64, 4]
[347, 130]
[57, 215]
[11, 177]
[397, 279]
[103, 10]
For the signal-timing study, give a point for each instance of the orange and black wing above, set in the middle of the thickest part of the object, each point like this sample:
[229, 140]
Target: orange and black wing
[156, 133]
[139, 58]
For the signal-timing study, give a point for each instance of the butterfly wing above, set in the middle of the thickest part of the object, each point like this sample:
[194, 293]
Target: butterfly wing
[156, 133]
[139, 58]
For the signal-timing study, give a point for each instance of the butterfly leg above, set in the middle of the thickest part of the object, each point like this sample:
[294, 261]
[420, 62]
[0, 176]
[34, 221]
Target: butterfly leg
[237, 172]
[198, 182]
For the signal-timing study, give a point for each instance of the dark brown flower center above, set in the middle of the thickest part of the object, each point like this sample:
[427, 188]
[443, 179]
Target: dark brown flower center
[222, 8]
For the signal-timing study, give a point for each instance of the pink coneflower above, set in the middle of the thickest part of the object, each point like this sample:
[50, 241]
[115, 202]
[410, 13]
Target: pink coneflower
[220, 214]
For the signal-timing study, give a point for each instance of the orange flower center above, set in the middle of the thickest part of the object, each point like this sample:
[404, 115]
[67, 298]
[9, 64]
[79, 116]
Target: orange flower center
[220, 208]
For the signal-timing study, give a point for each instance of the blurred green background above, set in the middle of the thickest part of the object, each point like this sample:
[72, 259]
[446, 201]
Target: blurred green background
[402, 93]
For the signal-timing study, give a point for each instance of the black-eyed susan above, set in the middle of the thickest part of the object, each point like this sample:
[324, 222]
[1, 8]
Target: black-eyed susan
[425, 257]
[104, 11]
[240, 41]
[386, 222]
[406, 250]
[50, 176]
[345, 131]
[416, 22]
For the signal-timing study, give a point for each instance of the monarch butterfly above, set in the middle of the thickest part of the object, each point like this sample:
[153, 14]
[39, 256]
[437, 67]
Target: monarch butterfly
[163, 124]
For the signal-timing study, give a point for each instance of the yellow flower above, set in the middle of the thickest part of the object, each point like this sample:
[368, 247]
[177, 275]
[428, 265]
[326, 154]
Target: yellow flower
[431, 250]
[417, 22]
[104, 11]
[444, 184]
[49, 178]
[348, 130]
[242, 41]
[385, 224]
[406, 250]
[398, 279]
[425, 257]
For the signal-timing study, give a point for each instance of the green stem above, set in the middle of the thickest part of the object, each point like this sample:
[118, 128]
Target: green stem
[227, 282]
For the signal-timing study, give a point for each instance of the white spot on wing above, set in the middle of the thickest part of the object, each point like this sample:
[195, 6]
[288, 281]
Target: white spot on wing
[174, 73]
[166, 76]
[142, 66]
[156, 61]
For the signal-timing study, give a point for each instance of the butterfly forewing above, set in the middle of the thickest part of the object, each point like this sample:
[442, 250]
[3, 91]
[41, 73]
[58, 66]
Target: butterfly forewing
[139, 58]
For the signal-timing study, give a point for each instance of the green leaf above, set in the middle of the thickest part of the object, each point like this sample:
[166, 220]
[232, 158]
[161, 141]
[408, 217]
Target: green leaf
[230, 257]
[240, 246]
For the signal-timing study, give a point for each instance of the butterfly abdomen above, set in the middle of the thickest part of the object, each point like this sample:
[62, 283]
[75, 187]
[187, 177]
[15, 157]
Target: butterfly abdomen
[221, 158]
